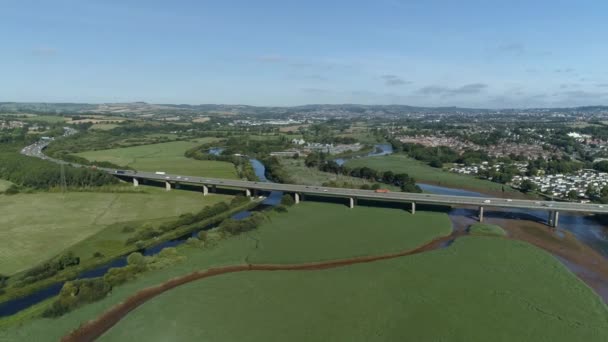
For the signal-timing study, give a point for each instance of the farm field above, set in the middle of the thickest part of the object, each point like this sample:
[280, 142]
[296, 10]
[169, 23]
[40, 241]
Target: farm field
[48, 118]
[36, 227]
[168, 157]
[478, 289]
[103, 126]
[423, 173]
[257, 245]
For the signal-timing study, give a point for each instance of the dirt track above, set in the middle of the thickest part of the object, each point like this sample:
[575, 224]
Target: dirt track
[95, 328]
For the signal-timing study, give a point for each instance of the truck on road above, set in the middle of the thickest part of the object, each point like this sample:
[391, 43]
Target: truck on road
[382, 191]
[160, 172]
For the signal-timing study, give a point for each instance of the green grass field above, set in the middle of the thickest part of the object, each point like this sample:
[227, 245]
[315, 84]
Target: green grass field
[168, 157]
[399, 163]
[4, 184]
[314, 231]
[479, 289]
[36, 227]
[48, 118]
[321, 241]
[486, 229]
[312, 176]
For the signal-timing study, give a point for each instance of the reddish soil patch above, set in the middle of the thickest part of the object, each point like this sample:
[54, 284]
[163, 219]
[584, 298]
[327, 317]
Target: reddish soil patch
[95, 328]
[588, 264]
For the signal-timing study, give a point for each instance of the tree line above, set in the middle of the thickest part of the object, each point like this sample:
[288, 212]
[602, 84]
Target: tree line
[402, 180]
[41, 174]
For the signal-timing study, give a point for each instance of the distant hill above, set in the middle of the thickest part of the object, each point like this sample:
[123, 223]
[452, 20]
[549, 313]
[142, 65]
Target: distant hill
[140, 108]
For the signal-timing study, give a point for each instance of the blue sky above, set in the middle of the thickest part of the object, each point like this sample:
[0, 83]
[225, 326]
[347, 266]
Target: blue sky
[483, 53]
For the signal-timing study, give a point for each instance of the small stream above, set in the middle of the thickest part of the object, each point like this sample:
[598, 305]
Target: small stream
[585, 228]
[12, 307]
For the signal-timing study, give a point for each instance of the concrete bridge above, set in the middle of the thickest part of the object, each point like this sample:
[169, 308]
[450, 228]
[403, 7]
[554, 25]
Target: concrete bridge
[352, 195]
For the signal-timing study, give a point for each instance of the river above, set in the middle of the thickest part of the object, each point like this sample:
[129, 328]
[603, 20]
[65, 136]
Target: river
[12, 307]
[585, 228]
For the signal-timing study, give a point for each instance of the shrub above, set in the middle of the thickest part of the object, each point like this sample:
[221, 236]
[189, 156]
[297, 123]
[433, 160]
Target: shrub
[280, 209]
[3, 280]
[202, 235]
[128, 229]
[135, 258]
[120, 275]
[76, 293]
[287, 200]
[192, 241]
[12, 190]
[98, 255]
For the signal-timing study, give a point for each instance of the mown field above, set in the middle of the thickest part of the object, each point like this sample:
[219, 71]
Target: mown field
[479, 289]
[36, 227]
[400, 163]
[322, 242]
[168, 157]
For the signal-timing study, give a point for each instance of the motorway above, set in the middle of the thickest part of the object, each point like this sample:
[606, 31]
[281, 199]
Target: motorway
[36, 149]
[369, 194]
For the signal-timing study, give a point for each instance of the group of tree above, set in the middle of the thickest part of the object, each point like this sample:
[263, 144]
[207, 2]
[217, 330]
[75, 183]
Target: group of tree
[41, 174]
[47, 269]
[235, 227]
[186, 219]
[82, 291]
[275, 170]
[401, 180]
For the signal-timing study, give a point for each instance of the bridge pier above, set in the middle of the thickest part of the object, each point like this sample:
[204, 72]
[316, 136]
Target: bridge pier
[480, 214]
[247, 193]
[167, 186]
[413, 208]
[135, 182]
[296, 197]
[205, 190]
[352, 202]
[553, 219]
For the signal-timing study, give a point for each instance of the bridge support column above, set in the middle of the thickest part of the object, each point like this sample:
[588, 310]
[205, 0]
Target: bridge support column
[553, 219]
[135, 182]
[296, 197]
[167, 186]
[205, 190]
[480, 214]
[247, 192]
[352, 202]
[413, 207]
